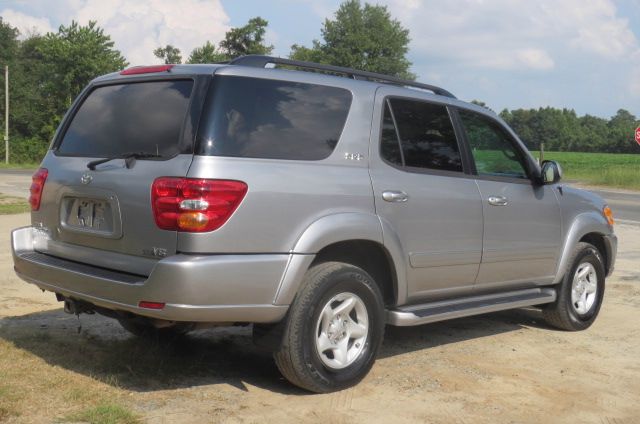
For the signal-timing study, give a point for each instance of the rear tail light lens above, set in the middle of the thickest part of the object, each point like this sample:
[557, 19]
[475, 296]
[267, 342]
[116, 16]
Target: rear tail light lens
[194, 205]
[37, 185]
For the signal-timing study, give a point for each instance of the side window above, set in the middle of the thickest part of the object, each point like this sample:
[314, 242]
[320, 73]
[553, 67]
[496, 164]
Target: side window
[426, 135]
[492, 148]
[271, 119]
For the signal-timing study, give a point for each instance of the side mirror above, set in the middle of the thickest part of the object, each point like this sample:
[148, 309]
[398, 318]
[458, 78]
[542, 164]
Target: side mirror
[551, 172]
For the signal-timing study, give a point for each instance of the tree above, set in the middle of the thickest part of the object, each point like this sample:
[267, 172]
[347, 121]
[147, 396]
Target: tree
[365, 38]
[72, 57]
[208, 53]
[8, 42]
[248, 39]
[169, 54]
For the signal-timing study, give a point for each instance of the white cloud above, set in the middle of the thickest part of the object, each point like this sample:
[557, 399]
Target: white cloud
[137, 27]
[508, 34]
[26, 24]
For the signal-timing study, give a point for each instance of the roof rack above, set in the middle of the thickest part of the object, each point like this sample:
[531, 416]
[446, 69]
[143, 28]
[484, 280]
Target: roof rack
[260, 61]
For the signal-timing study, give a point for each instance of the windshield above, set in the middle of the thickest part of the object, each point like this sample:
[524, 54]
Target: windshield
[140, 117]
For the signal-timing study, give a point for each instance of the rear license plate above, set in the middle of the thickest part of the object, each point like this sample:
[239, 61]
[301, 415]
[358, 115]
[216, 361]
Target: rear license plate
[88, 215]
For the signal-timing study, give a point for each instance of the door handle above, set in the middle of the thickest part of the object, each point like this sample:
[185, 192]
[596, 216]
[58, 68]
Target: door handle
[395, 196]
[497, 200]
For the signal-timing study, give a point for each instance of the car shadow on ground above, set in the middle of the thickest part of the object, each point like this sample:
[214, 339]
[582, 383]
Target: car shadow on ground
[98, 347]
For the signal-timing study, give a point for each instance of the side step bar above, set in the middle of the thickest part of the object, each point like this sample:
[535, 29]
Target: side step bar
[476, 305]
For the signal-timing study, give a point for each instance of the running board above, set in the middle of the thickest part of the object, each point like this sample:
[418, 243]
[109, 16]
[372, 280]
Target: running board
[456, 308]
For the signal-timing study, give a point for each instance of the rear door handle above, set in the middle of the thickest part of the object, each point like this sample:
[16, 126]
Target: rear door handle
[395, 196]
[497, 200]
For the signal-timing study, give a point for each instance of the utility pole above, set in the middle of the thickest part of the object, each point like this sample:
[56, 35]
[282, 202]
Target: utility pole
[6, 113]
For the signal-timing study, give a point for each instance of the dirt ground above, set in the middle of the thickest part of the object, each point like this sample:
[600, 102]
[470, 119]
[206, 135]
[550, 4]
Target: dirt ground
[505, 367]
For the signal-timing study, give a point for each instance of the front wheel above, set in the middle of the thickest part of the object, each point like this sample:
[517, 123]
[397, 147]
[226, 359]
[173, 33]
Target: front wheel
[580, 294]
[334, 329]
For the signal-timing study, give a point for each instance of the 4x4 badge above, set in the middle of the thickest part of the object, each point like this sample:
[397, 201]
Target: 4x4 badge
[86, 178]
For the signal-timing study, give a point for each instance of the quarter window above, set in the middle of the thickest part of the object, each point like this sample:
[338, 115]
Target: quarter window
[269, 119]
[492, 148]
[427, 137]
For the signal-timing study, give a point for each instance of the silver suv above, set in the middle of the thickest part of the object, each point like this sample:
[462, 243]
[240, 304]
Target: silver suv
[318, 206]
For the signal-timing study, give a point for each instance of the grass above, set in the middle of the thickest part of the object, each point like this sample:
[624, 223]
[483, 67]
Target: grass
[604, 169]
[27, 380]
[105, 413]
[33, 166]
[11, 205]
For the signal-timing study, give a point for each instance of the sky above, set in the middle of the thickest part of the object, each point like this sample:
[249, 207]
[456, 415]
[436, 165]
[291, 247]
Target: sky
[576, 54]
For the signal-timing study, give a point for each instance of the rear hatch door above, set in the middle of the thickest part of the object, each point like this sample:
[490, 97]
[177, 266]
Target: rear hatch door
[108, 208]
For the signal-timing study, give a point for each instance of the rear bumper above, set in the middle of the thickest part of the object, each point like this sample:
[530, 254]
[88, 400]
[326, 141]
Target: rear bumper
[197, 288]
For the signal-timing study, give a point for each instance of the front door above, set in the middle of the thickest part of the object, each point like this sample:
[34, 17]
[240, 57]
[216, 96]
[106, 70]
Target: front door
[522, 222]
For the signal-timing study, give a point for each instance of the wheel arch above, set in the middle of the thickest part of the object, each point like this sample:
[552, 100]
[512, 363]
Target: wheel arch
[355, 238]
[589, 227]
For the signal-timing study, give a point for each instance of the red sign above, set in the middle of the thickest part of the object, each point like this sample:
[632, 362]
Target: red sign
[638, 135]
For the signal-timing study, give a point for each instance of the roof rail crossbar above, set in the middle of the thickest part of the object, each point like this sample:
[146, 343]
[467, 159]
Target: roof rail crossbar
[260, 61]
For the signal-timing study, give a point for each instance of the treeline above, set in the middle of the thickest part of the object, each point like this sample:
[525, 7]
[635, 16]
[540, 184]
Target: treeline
[48, 71]
[564, 131]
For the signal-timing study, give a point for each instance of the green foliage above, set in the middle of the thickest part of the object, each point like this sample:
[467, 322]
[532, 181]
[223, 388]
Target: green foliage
[361, 37]
[248, 39]
[208, 53]
[46, 74]
[169, 54]
[563, 130]
[8, 42]
[74, 56]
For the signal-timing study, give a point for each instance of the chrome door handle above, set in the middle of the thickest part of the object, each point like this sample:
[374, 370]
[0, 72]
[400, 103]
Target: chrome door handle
[497, 200]
[395, 196]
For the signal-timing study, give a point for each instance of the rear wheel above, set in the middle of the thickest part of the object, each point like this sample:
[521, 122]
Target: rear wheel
[580, 294]
[334, 329]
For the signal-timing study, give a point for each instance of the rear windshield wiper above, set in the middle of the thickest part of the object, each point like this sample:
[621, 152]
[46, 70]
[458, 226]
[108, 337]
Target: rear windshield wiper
[129, 159]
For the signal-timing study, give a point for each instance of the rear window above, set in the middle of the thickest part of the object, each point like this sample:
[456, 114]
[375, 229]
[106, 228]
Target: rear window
[261, 118]
[144, 117]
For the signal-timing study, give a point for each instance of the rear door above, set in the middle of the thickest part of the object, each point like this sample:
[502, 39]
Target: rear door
[522, 222]
[424, 195]
[108, 209]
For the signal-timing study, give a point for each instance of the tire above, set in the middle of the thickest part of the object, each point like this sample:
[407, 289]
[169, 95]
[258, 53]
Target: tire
[338, 302]
[568, 314]
[143, 328]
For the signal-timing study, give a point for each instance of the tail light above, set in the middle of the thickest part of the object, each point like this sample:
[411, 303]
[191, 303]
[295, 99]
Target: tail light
[37, 184]
[194, 205]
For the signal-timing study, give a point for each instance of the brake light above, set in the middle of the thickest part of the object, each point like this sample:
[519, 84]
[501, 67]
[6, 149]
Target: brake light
[194, 205]
[146, 69]
[37, 185]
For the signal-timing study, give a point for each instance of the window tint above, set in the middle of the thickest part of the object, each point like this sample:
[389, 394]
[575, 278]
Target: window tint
[426, 134]
[389, 145]
[259, 118]
[142, 117]
[493, 150]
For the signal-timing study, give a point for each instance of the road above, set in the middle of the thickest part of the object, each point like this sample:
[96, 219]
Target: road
[625, 204]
